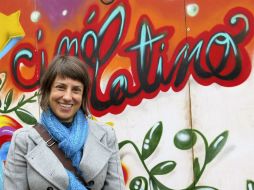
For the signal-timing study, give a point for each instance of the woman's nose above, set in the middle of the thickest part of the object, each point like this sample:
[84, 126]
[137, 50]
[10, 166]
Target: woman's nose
[67, 95]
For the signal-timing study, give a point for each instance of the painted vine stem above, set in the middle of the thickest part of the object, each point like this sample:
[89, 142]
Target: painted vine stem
[184, 140]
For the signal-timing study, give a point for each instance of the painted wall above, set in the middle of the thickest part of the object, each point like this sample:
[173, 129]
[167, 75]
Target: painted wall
[173, 77]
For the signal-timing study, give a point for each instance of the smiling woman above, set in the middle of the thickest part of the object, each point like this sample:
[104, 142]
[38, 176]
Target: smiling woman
[64, 88]
[65, 69]
[66, 150]
[65, 98]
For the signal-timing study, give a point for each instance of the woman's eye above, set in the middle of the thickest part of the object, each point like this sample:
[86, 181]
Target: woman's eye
[60, 88]
[77, 90]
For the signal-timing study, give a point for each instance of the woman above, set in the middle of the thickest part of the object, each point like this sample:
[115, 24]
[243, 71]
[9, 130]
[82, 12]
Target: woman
[91, 146]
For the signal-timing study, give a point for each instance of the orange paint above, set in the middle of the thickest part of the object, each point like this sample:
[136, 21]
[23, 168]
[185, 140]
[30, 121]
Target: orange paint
[27, 72]
[125, 173]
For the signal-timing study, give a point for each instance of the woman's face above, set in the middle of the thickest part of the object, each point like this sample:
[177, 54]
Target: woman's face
[65, 98]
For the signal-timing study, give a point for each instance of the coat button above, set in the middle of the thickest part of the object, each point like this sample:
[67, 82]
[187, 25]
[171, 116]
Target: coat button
[50, 188]
[90, 183]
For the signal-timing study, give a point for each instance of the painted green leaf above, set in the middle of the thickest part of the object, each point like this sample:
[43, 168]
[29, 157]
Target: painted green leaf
[216, 146]
[0, 103]
[31, 101]
[8, 99]
[154, 184]
[163, 168]
[205, 188]
[21, 99]
[121, 144]
[25, 116]
[157, 185]
[196, 168]
[138, 183]
[250, 185]
[185, 139]
[36, 93]
[151, 140]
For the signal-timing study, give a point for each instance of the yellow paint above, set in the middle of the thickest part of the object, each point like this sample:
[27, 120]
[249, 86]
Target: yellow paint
[10, 28]
[111, 124]
[5, 120]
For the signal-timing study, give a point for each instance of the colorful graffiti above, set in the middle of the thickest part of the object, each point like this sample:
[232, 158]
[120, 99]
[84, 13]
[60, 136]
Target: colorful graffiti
[184, 140]
[11, 33]
[7, 106]
[215, 56]
[7, 126]
[161, 59]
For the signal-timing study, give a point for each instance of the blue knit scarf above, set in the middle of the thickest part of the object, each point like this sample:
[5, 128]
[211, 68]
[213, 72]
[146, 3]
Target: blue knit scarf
[70, 140]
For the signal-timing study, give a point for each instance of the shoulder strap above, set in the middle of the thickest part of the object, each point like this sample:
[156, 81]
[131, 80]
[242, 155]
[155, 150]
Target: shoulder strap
[52, 144]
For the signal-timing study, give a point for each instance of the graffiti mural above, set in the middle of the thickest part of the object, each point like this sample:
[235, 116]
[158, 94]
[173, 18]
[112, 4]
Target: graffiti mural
[184, 140]
[183, 67]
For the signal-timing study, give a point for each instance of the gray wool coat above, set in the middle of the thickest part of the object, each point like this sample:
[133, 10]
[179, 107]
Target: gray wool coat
[32, 165]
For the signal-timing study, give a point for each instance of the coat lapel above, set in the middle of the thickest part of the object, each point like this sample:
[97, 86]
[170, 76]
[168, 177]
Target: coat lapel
[95, 154]
[44, 161]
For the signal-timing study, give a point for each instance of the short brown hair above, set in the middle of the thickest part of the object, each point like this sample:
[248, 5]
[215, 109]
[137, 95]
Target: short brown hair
[67, 67]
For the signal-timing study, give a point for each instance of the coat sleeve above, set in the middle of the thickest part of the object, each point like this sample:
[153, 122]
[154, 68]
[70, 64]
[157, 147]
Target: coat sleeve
[15, 172]
[114, 178]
